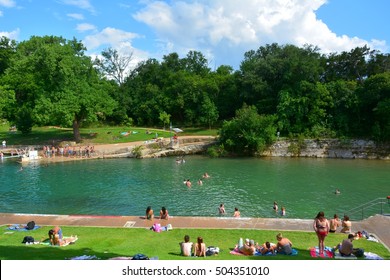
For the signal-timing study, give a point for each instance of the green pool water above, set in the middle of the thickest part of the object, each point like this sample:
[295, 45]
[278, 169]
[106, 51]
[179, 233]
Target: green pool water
[127, 186]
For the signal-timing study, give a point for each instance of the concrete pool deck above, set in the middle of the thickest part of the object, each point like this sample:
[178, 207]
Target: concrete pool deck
[378, 225]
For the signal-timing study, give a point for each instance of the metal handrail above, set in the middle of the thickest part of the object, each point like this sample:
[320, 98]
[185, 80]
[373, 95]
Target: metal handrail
[363, 208]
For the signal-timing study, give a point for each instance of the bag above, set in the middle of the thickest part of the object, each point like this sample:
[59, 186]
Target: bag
[212, 250]
[359, 252]
[140, 257]
[30, 225]
[28, 239]
[156, 227]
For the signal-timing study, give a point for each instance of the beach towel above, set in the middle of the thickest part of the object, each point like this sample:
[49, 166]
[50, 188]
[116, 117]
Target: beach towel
[66, 241]
[315, 252]
[372, 256]
[235, 251]
[85, 257]
[293, 253]
[337, 255]
[18, 227]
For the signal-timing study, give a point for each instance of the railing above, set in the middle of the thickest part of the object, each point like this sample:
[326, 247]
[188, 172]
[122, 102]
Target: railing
[376, 206]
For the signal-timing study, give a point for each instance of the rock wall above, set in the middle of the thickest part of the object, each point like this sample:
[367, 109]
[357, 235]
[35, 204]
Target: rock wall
[329, 148]
[324, 148]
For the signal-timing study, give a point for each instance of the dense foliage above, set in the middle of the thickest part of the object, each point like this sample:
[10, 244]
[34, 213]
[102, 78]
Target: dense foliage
[294, 90]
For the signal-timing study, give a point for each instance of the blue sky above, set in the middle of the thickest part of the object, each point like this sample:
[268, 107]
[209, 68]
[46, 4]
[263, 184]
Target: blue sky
[223, 30]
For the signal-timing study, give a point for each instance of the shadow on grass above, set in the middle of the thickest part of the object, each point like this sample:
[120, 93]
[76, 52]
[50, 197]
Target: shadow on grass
[46, 252]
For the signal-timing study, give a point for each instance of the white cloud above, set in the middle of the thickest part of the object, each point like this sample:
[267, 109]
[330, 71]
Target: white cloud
[108, 36]
[1, 13]
[7, 3]
[76, 16]
[224, 27]
[82, 27]
[82, 4]
[13, 35]
[117, 39]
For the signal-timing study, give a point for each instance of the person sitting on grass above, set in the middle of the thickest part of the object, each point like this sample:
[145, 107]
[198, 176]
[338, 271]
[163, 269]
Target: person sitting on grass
[346, 247]
[186, 246]
[284, 245]
[200, 248]
[55, 235]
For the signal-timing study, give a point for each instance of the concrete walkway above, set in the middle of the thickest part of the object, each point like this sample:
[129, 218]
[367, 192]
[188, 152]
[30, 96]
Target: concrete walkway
[378, 225]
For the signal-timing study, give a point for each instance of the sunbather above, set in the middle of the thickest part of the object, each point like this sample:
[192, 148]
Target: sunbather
[266, 248]
[284, 245]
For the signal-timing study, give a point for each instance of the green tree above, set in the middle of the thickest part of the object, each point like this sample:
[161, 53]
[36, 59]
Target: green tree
[273, 68]
[305, 110]
[165, 118]
[375, 105]
[7, 51]
[208, 112]
[56, 84]
[7, 102]
[248, 133]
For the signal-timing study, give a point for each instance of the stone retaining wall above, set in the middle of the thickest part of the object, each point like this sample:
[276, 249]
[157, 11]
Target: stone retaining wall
[330, 148]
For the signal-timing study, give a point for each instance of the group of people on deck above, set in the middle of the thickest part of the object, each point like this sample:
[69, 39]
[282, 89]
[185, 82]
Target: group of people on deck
[149, 215]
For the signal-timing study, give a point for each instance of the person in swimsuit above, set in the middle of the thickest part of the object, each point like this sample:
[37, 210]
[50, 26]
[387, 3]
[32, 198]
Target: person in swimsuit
[200, 248]
[186, 246]
[55, 236]
[284, 245]
[149, 213]
[221, 209]
[346, 224]
[334, 223]
[164, 214]
[321, 227]
[237, 213]
[275, 206]
[266, 248]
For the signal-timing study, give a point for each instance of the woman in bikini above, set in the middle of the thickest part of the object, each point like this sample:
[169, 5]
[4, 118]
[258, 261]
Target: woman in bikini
[200, 248]
[321, 227]
[149, 213]
[164, 214]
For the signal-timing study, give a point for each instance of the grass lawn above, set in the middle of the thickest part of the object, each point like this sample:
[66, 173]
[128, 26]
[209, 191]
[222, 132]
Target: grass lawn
[93, 135]
[107, 243]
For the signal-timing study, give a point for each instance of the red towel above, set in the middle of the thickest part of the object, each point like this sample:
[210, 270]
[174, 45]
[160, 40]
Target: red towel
[315, 253]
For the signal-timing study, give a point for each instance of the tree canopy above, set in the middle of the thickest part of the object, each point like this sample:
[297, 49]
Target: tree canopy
[295, 90]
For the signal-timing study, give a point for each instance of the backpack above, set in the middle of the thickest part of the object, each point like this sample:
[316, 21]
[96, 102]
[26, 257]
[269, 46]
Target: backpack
[212, 250]
[140, 257]
[359, 252]
[28, 239]
[30, 225]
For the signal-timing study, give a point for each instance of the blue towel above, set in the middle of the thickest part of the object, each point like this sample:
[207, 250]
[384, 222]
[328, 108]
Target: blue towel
[22, 228]
[293, 253]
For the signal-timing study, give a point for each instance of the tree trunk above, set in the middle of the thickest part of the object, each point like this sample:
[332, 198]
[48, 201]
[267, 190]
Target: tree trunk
[76, 131]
